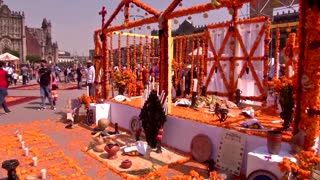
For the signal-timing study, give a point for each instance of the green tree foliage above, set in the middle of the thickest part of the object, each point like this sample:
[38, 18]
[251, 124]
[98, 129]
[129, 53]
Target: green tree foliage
[33, 58]
[13, 52]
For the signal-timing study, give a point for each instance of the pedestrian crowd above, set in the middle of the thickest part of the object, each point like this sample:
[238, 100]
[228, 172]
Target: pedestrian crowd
[48, 77]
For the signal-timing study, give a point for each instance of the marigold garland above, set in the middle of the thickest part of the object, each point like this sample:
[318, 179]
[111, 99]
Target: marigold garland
[111, 60]
[301, 170]
[277, 52]
[134, 55]
[192, 61]
[128, 52]
[119, 52]
[152, 54]
[311, 98]
[147, 56]
[105, 80]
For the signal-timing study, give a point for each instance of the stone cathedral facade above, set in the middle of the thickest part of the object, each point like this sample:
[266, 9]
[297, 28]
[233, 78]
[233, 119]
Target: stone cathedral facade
[15, 35]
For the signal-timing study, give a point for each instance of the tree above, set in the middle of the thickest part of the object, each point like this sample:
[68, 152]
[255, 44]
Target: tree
[13, 52]
[33, 58]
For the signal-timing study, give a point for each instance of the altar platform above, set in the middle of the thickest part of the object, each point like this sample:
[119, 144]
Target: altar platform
[183, 124]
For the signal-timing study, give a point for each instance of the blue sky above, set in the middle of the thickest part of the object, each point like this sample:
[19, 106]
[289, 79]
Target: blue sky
[74, 21]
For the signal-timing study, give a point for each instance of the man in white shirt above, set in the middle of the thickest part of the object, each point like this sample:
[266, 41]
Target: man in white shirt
[9, 70]
[90, 75]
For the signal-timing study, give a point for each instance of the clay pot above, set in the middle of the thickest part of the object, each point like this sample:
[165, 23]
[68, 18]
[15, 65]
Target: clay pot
[103, 123]
[112, 150]
[274, 141]
[98, 140]
[99, 148]
[126, 164]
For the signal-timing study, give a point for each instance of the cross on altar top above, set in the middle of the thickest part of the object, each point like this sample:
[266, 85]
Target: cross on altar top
[103, 13]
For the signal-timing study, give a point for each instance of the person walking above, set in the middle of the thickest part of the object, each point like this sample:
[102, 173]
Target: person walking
[9, 70]
[24, 73]
[90, 74]
[15, 77]
[3, 88]
[54, 90]
[57, 71]
[45, 81]
[79, 76]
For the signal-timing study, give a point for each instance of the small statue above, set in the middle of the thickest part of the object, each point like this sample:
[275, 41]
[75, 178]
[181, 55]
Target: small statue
[223, 114]
[116, 129]
[238, 96]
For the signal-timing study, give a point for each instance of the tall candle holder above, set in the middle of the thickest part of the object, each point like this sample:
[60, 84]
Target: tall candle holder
[194, 94]
[10, 166]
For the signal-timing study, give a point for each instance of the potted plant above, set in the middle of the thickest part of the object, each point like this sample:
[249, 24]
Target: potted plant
[284, 89]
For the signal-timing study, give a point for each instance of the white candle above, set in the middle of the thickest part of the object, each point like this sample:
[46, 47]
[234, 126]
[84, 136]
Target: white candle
[22, 145]
[182, 86]
[276, 64]
[35, 161]
[195, 85]
[290, 71]
[153, 83]
[26, 151]
[158, 90]
[43, 174]
[17, 133]
[20, 137]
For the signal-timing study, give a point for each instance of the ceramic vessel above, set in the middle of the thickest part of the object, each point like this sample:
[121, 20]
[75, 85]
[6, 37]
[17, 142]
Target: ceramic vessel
[126, 164]
[274, 141]
[103, 123]
[112, 150]
[99, 148]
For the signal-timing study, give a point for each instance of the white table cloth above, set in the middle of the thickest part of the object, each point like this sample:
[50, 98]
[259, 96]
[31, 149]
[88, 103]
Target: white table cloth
[260, 159]
[99, 111]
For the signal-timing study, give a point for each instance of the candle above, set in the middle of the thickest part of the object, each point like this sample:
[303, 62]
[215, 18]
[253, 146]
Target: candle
[290, 71]
[158, 90]
[182, 86]
[22, 145]
[43, 174]
[26, 151]
[195, 85]
[152, 83]
[35, 161]
[17, 133]
[20, 137]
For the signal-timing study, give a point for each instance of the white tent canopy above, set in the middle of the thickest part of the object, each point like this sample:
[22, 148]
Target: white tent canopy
[8, 57]
[199, 52]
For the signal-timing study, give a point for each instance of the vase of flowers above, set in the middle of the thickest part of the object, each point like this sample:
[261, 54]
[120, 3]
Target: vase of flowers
[122, 79]
[285, 90]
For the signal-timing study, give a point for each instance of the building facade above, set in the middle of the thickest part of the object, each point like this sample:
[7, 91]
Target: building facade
[12, 31]
[15, 35]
